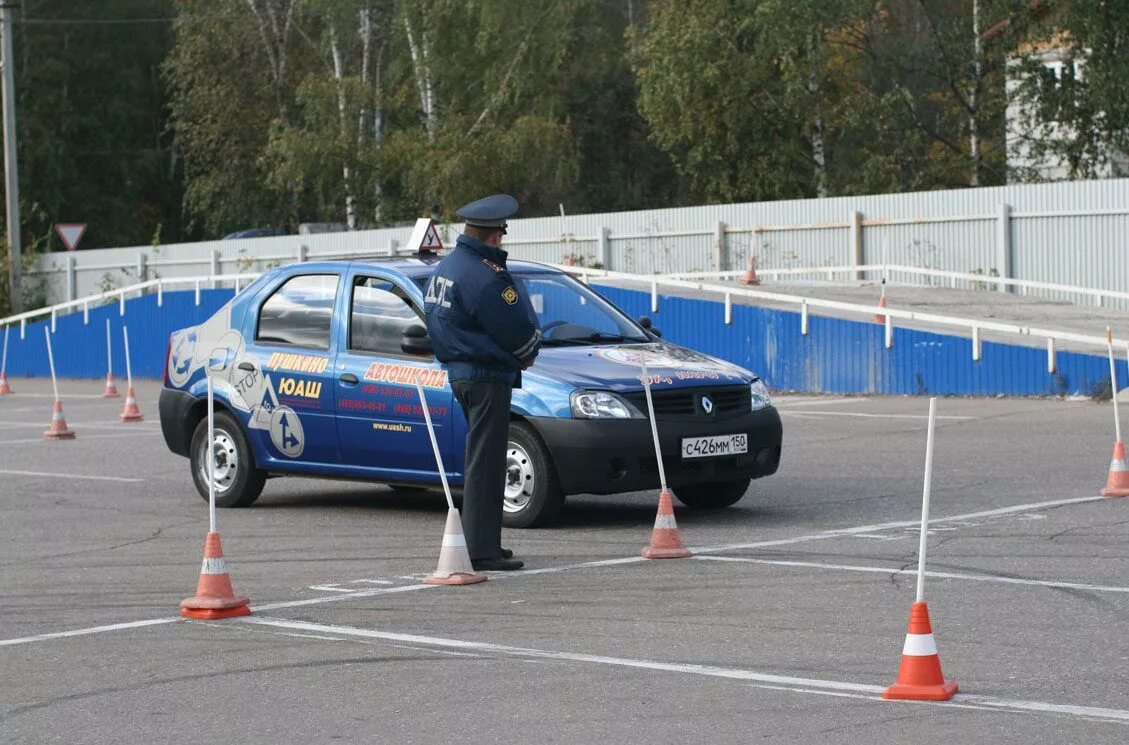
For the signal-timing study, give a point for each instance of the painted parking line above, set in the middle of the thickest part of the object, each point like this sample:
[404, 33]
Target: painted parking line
[593, 564]
[815, 414]
[88, 631]
[898, 570]
[84, 425]
[77, 476]
[790, 402]
[748, 677]
[84, 438]
[52, 395]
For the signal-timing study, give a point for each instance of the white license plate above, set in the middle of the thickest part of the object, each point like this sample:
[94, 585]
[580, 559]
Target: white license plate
[716, 445]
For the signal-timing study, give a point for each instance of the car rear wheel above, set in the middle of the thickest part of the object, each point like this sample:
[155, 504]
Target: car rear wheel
[533, 495]
[238, 480]
[712, 496]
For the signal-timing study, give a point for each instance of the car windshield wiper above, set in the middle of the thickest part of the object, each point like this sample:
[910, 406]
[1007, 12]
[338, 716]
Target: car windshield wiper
[604, 336]
[563, 341]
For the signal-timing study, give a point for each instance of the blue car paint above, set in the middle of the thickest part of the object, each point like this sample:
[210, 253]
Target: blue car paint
[391, 445]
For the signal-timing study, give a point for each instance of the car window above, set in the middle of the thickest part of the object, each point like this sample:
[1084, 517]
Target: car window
[380, 313]
[300, 312]
[570, 313]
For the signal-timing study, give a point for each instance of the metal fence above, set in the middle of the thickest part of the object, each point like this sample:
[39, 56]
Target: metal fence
[1066, 233]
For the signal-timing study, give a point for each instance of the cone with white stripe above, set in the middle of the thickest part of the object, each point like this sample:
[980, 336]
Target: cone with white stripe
[131, 413]
[5, 390]
[111, 387]
[454, 559]
[1118, 483]
[58, 429]
[666, 541]
[215, 598]
[920, 677]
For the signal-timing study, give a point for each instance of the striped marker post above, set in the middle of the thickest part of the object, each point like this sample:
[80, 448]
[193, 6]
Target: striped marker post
[920, 677]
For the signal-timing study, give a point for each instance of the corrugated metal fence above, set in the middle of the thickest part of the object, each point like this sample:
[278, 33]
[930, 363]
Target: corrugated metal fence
[1070, 233]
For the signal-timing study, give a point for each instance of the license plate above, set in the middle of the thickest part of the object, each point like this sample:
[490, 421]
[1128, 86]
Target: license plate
[716, 445]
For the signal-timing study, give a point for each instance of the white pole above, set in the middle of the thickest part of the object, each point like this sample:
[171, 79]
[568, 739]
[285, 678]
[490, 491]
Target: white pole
[109, 352]
[51, 360]
[925, 500]
[128, 369]
[211, 457]
[4, 360]
[654, 424]
[1113, 382]
[434, 442]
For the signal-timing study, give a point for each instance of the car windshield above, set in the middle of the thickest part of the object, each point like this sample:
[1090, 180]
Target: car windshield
[570, 313]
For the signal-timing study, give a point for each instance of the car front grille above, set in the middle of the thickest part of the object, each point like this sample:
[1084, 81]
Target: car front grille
[686, 403]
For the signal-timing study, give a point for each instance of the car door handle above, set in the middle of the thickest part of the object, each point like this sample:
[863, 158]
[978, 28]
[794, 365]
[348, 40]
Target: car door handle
[349, 379]
[246, 367]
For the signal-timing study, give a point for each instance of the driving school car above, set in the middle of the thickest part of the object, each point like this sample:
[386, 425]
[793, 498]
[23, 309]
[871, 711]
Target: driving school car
[314, 368]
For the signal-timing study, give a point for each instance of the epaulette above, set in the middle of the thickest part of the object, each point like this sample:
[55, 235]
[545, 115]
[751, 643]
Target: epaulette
[492, 265]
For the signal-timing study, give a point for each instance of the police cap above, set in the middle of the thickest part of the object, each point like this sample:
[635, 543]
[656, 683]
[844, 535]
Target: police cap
[489, 212]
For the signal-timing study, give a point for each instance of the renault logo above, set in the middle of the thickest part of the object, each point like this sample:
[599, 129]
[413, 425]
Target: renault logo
[707, 405]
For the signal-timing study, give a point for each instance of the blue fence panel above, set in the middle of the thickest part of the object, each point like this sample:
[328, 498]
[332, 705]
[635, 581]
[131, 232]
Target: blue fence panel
[837, 356]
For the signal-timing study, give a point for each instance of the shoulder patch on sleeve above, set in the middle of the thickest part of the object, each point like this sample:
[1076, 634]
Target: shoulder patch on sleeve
[509, 295]
[492, 265]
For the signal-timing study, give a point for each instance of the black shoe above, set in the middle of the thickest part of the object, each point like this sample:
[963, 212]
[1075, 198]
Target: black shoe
[496, 565]
[507, 553]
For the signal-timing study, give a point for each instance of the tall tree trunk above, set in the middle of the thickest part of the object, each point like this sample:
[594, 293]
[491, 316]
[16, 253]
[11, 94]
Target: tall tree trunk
[421, 64]
[817, 144]
[974, 95]
[346, 174]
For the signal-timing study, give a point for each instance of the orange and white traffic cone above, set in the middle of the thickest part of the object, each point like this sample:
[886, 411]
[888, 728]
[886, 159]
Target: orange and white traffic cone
[666, 541]
[58, 429]
[881, 317]
[454, 559]
[111, 388]
[920, 677]
[750, 275]
[214, 598]
[131, 413]
[1118, 483]
[5, 389]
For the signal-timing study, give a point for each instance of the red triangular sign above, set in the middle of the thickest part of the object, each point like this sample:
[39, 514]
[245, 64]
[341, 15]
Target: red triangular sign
[431, 239]
[70, 233]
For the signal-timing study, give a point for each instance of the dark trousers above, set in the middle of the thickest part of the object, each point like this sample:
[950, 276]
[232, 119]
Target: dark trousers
[486, 407]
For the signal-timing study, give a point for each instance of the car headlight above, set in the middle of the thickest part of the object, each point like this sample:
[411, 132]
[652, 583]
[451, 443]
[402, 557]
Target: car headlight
[760, 395]
[600, 405]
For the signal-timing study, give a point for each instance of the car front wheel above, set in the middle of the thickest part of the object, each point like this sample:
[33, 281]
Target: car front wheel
[533, 495]
[712, 496]
[238, 480]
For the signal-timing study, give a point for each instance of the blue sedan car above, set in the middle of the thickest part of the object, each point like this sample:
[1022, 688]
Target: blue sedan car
[314, 367]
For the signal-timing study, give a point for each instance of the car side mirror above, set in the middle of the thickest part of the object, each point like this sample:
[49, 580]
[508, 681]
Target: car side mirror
[415, 340]
[649, 327]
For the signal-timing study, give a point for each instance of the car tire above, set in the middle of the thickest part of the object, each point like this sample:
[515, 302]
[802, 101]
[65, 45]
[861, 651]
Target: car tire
[238, 480]
[712, 496]
[533, 496]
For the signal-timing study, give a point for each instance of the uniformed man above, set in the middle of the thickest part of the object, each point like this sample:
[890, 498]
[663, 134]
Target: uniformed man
[486, 333]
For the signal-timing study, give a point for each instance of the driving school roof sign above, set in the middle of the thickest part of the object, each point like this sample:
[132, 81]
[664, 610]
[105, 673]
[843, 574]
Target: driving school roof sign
[425, 236]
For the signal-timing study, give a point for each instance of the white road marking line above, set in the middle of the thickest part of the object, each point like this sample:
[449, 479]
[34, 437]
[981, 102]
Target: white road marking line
[372, 581]
[809, 414]
[591, 564]
[329, 588]
[78, 476]
[83, 438]
[84, 425]
[91, 630]
[941, 575]
[805, 685]
[52, 395]
[844, 532]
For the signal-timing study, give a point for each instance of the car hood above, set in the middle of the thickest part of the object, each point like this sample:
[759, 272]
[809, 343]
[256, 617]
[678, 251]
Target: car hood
[617, 367]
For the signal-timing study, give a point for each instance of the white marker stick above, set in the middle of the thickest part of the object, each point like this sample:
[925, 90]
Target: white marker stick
[925, 500]
[654, 424]
[1113, 382]
[434, 442]
[128, 370]
[51, 361]
[4, 359]
[109, 351]
[211, 455]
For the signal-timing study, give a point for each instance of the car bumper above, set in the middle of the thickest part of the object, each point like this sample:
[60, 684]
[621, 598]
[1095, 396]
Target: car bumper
[608, 456]
[174, 406]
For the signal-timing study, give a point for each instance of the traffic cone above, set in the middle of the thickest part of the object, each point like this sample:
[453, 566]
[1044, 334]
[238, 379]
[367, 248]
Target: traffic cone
[880, 317]
[5, 390]
[454, 559]
[666, 542]
[214, 597]
[58, 429]
[750, 275]
[131, 413]
[920, 677]
[111, 388]
[1118, 483]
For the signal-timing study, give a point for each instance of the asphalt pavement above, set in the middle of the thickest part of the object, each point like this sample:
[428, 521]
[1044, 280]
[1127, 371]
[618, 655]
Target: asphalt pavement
[784, 626]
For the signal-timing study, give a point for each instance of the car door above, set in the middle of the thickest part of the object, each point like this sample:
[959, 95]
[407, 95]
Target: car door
[380, 419]
[287, 379]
